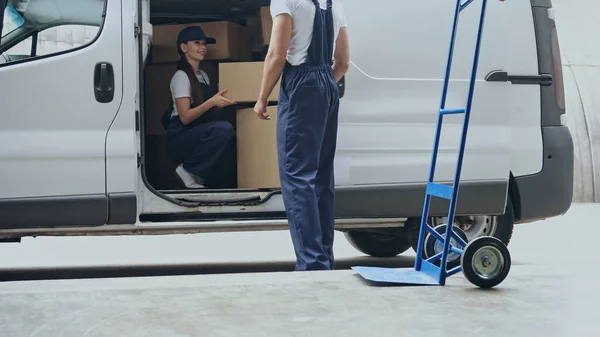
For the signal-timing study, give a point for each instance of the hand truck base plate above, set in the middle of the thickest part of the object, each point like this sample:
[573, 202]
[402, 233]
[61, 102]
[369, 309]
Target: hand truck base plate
[396, 276]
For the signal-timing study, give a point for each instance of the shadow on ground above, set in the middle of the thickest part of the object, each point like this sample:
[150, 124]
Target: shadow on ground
[187, 269]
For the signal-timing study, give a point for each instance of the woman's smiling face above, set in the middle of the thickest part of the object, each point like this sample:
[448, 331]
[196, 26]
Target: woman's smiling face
[195, 50]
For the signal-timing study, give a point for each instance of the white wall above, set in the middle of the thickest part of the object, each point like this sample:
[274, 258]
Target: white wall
[578, 26]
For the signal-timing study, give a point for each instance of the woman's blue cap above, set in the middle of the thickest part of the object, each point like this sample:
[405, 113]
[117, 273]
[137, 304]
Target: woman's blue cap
[193, 33]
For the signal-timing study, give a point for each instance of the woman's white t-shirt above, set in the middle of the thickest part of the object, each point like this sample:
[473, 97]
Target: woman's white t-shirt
[180, 87]
[303, 15]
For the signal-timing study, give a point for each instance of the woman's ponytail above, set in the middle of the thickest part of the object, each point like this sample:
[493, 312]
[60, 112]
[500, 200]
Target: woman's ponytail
[196, 90]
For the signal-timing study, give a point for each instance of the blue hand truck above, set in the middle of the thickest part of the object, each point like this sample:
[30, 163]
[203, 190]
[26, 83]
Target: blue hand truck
[484, 261]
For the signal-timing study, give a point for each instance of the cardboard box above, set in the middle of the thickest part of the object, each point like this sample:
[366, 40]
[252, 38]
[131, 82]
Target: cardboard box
[157, 91]
[232, 42]
[257, 150]
[255, 30]
[242, 81]
[267, 24]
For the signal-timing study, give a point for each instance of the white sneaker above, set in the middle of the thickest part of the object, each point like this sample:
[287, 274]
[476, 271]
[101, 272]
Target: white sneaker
[188, 179]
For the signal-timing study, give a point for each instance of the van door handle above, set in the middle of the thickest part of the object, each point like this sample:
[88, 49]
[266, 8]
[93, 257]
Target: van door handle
[503, 76]
[342, 86]
[104, 82]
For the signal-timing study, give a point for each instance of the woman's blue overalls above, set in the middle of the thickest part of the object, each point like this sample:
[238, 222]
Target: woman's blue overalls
[206, 146]
[306, 142]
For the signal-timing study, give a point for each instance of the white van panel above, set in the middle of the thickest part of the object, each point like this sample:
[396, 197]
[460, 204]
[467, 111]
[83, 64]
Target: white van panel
[53, 130]
[525, 103]
[393, 89]
[122, 140]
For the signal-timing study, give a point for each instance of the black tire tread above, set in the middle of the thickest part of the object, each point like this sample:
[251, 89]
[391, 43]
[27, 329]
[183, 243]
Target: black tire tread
[371, 243]
[467, 255]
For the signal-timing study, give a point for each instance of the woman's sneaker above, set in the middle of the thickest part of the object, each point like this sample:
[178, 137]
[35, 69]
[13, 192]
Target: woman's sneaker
[188, 179]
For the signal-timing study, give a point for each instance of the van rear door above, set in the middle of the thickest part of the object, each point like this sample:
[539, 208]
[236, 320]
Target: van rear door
[61, 88]
[522, 71]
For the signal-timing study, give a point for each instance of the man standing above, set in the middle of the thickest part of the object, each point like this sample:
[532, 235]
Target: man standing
[306, 36]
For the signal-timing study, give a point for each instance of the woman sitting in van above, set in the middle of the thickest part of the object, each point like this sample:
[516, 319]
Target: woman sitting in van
[202, 145]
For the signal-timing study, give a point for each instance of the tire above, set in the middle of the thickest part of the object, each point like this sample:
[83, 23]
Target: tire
[506, 224]
[430, 244]
[501, 228]
[379, 242]
[498, 270]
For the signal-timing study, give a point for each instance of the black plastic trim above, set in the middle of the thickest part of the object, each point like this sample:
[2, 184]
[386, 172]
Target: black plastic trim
[122, 208]
[47, 212]
[541, 3]
[551, 112]
[199, 216]
[34, 41]
[503, 76]
[406, 200]
[104, 82]
[549, 193]
[137, 120]
[342, 86]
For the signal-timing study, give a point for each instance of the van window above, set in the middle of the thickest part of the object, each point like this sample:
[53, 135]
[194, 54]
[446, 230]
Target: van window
[12, 20]
[37, 28]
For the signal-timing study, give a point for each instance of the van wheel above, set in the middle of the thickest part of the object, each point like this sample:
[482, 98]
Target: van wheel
[500, 227]
[385, 242]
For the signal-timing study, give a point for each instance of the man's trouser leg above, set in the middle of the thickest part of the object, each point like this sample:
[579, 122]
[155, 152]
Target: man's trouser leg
[301, 122]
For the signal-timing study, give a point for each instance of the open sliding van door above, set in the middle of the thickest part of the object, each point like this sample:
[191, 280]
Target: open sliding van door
[61, 88]
[392, 98]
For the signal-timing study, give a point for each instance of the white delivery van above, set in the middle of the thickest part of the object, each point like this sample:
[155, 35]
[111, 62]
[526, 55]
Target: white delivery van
[83, 84]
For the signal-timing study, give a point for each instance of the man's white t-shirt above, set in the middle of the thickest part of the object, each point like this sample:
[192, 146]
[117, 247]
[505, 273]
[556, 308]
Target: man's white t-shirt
[303, 15]
[180, 87]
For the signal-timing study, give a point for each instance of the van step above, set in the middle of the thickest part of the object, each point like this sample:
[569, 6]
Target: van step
[220, 198]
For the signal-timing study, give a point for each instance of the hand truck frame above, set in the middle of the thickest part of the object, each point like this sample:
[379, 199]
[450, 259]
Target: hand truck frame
[485, 261]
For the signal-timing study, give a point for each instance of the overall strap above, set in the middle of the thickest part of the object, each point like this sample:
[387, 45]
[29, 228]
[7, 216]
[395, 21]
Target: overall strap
[321, 45]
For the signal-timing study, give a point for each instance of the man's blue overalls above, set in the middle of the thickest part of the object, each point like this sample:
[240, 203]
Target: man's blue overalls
[306, 143]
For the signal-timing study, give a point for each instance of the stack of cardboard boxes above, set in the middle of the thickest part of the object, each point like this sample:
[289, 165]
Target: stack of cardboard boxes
[230, 64]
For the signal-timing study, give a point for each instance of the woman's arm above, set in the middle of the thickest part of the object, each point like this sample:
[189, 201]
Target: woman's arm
[180, 87]
[187, 114]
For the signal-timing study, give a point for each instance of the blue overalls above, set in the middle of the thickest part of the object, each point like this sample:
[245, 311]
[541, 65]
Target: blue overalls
[306, 142]
[206, 146]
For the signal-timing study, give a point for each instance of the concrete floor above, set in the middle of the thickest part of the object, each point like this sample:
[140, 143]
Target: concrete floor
[534, 301]
[546, 294]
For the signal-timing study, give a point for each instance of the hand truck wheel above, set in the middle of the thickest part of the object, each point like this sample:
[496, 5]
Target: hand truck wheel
[434, 246]
[485, 262]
